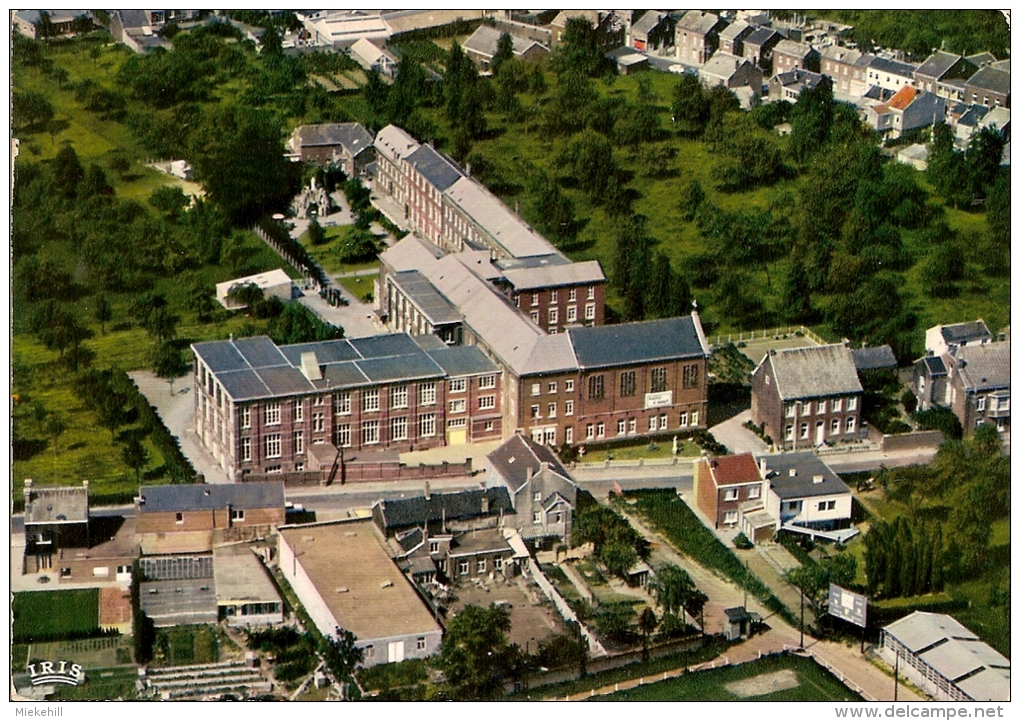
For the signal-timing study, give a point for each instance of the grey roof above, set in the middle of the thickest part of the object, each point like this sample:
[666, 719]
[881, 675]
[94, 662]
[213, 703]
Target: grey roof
[399, 368]
[799, 76]
[241, 577]
[133, 18]
[793, 48]
[895, 67]
[436, 169]
[520, 458]
[722, 65]
[989, 78]
[394, 143]
[485, 541]
[485, 41]
[353, 137]
[937, 65]
[843, 55]
[551, 276]
[648, 22]
[867, 359]
[736, 614]
[429, 301]
[429, 342]
[203, 497]
[57, 505]
[504, 226]
[698, 21]
[807, 467]
[987, 685]
[825, 370]
[734, 30]
[935, 365]
[335, 351]
[985, 366]
[56, 16]
[462, 361]
[534, 261]
[760, 36]
[410, 540]
[179, 602]
[966, 332]
[972, 116]
[980, 59]
[404, 512]
[922, 630]
[652, 340]
[1001, 65]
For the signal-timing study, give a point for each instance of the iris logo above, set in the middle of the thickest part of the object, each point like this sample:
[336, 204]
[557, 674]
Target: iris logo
[56, 672]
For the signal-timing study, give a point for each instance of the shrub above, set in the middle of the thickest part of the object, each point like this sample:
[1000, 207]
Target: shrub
[942, 419]
[909, 401]
[742, 542]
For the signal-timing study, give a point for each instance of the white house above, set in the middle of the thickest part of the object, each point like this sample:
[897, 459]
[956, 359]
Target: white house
[273, 283]
[806, 495]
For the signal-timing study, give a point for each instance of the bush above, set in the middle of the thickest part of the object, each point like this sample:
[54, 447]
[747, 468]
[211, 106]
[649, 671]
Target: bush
[909, 401]
[942, 419]
[742, 542]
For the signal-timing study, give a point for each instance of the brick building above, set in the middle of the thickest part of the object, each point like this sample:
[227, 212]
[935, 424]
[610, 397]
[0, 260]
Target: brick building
[556, 297]
[347, 145]
[728, 486]
[697, 37]
[847, 68]
[790, 55]
[208, 507]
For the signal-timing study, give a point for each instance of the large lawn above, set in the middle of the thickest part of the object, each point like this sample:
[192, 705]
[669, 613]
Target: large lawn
[50, 615]
[813, 683]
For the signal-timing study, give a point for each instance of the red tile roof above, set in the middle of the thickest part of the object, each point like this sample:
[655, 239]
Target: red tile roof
[903, 98]
[729, 470]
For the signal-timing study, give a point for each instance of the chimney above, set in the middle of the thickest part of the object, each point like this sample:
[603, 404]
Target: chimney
[531, 473]
[761, 467]
[793, 472]
[85, 485]
[28, 493]
[428, 491]
[310, 366]
[485, 502]
[818, 478]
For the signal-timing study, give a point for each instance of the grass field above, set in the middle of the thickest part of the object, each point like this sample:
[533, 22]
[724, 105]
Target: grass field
[185, 645]
[51, 615]
[362, 286]
[814, 684]
[101, 684]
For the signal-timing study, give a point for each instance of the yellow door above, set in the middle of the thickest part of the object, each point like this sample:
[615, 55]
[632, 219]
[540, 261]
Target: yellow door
[456, 437]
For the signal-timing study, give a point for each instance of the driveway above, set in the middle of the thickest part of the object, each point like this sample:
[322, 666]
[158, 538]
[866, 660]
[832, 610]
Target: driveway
[732, 434]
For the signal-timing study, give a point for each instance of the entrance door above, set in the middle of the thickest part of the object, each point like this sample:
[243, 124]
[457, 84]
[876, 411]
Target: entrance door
[819, 433]
[396, 652]
[550, 436]
[456, 437]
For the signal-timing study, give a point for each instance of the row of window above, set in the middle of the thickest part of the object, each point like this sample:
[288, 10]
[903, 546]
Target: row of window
[629, 425]
[536, 388]
[805, 429]
[993, 403]
[821, 407]
[733, 494]
[628, 382]
[554, 296]
[554, 314]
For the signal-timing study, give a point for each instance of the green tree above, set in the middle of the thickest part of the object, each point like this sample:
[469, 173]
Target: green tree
[690, 106]
[246, 295]
[946, 168]
[941, 270]
[647, 622]
[55, 427]
[342, 655]
[30, 110]
[672, 588]
[811, 120]
[589, 160]
[579, 51]
[691, 195]
[983, 158]
[39, 414]
[169, 199]
[102, 312]
[504, 52]
[316, 235]
[618, 556]
[67, 171]
[169, 362]
[612, 621]
[135, 456]
[474, 652]
[271, 44]
[109, 406]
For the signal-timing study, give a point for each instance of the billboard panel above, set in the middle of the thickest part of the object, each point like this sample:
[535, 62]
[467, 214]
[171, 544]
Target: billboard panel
[848, 605]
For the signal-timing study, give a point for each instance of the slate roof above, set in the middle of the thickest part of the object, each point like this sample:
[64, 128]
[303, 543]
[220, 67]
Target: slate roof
[647, 22]
[956, 333]
[842, 55]
[551, 276]
[462, 361]
[893, 67]
[1001, 65]
[972, 116]
[935, 365]
[867, 359]
[722, 65]
[410, 540]
[610, 345]
[799, 76]
[732, 470]
[56, 16]
[204, 497]
[535, 261]
[496, 220]
[520, 457]
[984, 367]
[807, 466]
[429, 301]
[733, 30]
[989, 78]
[793, 48]
[419, 510]
[353, 137]
[814, 371]
[182, 601]
[937, 65]
[133, 19]
[240, 576]
[485, 41]
[980, 59]
[921, 630]
[760, 36]
[435, 168]
[475, 542]
[698, 21]
[394, 143]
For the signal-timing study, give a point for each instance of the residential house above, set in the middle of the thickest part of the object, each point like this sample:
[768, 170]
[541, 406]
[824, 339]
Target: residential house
[542, 492]
[654, 32]
[890, 74]
[65, 543]
[988, 87]
[788, 86]
[914, 155]
[135, 29]
[968, 122]
[345, 579]
[909, 109]
[44, 24]
[731, 38]
[731, 72]
[758, 47]
[610, 26]
[945, 659]
[481, 47]
[443, 513]
[273, 283]
[983, 59]
[978, 385]
[728, 487]
[257, 507]
[697, 37]
[874, 359]
[997, 118]
[942, 338]
[848, 69]
[373, 55]
[788, 55]
[343, 27]
[628, 61]
[931, 372]
[944, 74]
[808, 396]
[348, 146]
[804, 494]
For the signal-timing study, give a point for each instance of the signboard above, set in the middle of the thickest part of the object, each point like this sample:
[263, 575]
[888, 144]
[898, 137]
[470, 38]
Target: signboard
[848, 605]
[659, 400]
[46, 672]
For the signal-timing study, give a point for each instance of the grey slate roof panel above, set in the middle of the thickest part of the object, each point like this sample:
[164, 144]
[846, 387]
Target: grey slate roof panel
[866, 359]
[220, 356]
[935, 365]
[243, 385]
[636, 342]
[381, 370]
[260, 352]
[439, 171]
[344, 375]
[984, 367]
[429, 342]
[403, 512]
[204, 497]
[807, 465]
[937, 64]
[462, 361]
[521, 457]
[965, 332]
[534, 261]
[760, 36]
[437, 309]
[921, 630]
[551, 276]
[381, 346]
[179, 602]
[886, 65]
[814, 371]
[284, 380]
[989, 78]
[332, 351]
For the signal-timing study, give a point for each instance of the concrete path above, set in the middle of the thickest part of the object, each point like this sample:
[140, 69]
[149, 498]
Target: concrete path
[452, 454]
[732, 434]
[357, 319]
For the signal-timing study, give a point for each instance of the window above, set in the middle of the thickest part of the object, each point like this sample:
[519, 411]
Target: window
[754, 492]
[628, 384]
[370, 651]
[600, 430]
[806, 409]
[850, 423]
[319, 401]
[662, 421]
[458, 385]
[659, 379]
[536, 517]
[318, 423]
[179, 519]
[835, 426]
[851, 403]
[481, 565]
[683, 419]
[694, 418]
[730, 518]
[486, 382]
[621, 427]
[980, 403]
[369, 432]
[837, 404]
[463, 568]
[571, 313]
[568, 435]
[433, 546]
[489, 426]
[536, 412]
[690, 379]
[791, 410]
[427, 425]
[568, 408]
[486, 402]
[591, 292]
[342, 435]
[534, 299]
[497, 563]
[803, 430]
[536, 389]
[299, 466]
[653, 424]
[589, 311]
[554, 296]
[552, 386]
[589, 431]
[537, 497]
[246, 417]
[554, 316]
[299, 441]
[632, 425]
[731, 494]
[596, 388]
[568, 386]
[370, 400]
[398, 397]
[552, 410]
[826, 505]
[299, 411]
[273, 445]
[572, 295]
[427, 394]
[273, 414]
[789, 432]
[398, 428]
[421, 643]
[458, 405]
[342, 404]
[237, 514]
[246, 449]
[534, 317]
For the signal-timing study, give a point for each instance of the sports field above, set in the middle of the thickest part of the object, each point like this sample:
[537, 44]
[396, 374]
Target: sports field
[52, 615]
[773, 678]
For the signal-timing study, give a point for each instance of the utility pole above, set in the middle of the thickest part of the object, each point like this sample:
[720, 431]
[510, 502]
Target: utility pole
[896, 676]
[802, 619]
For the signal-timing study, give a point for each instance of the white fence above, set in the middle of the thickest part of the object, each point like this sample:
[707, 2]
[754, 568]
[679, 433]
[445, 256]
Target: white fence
[722, 339]
[596, 648]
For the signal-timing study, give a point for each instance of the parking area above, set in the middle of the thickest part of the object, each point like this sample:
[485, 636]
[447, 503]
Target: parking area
[532, 616]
